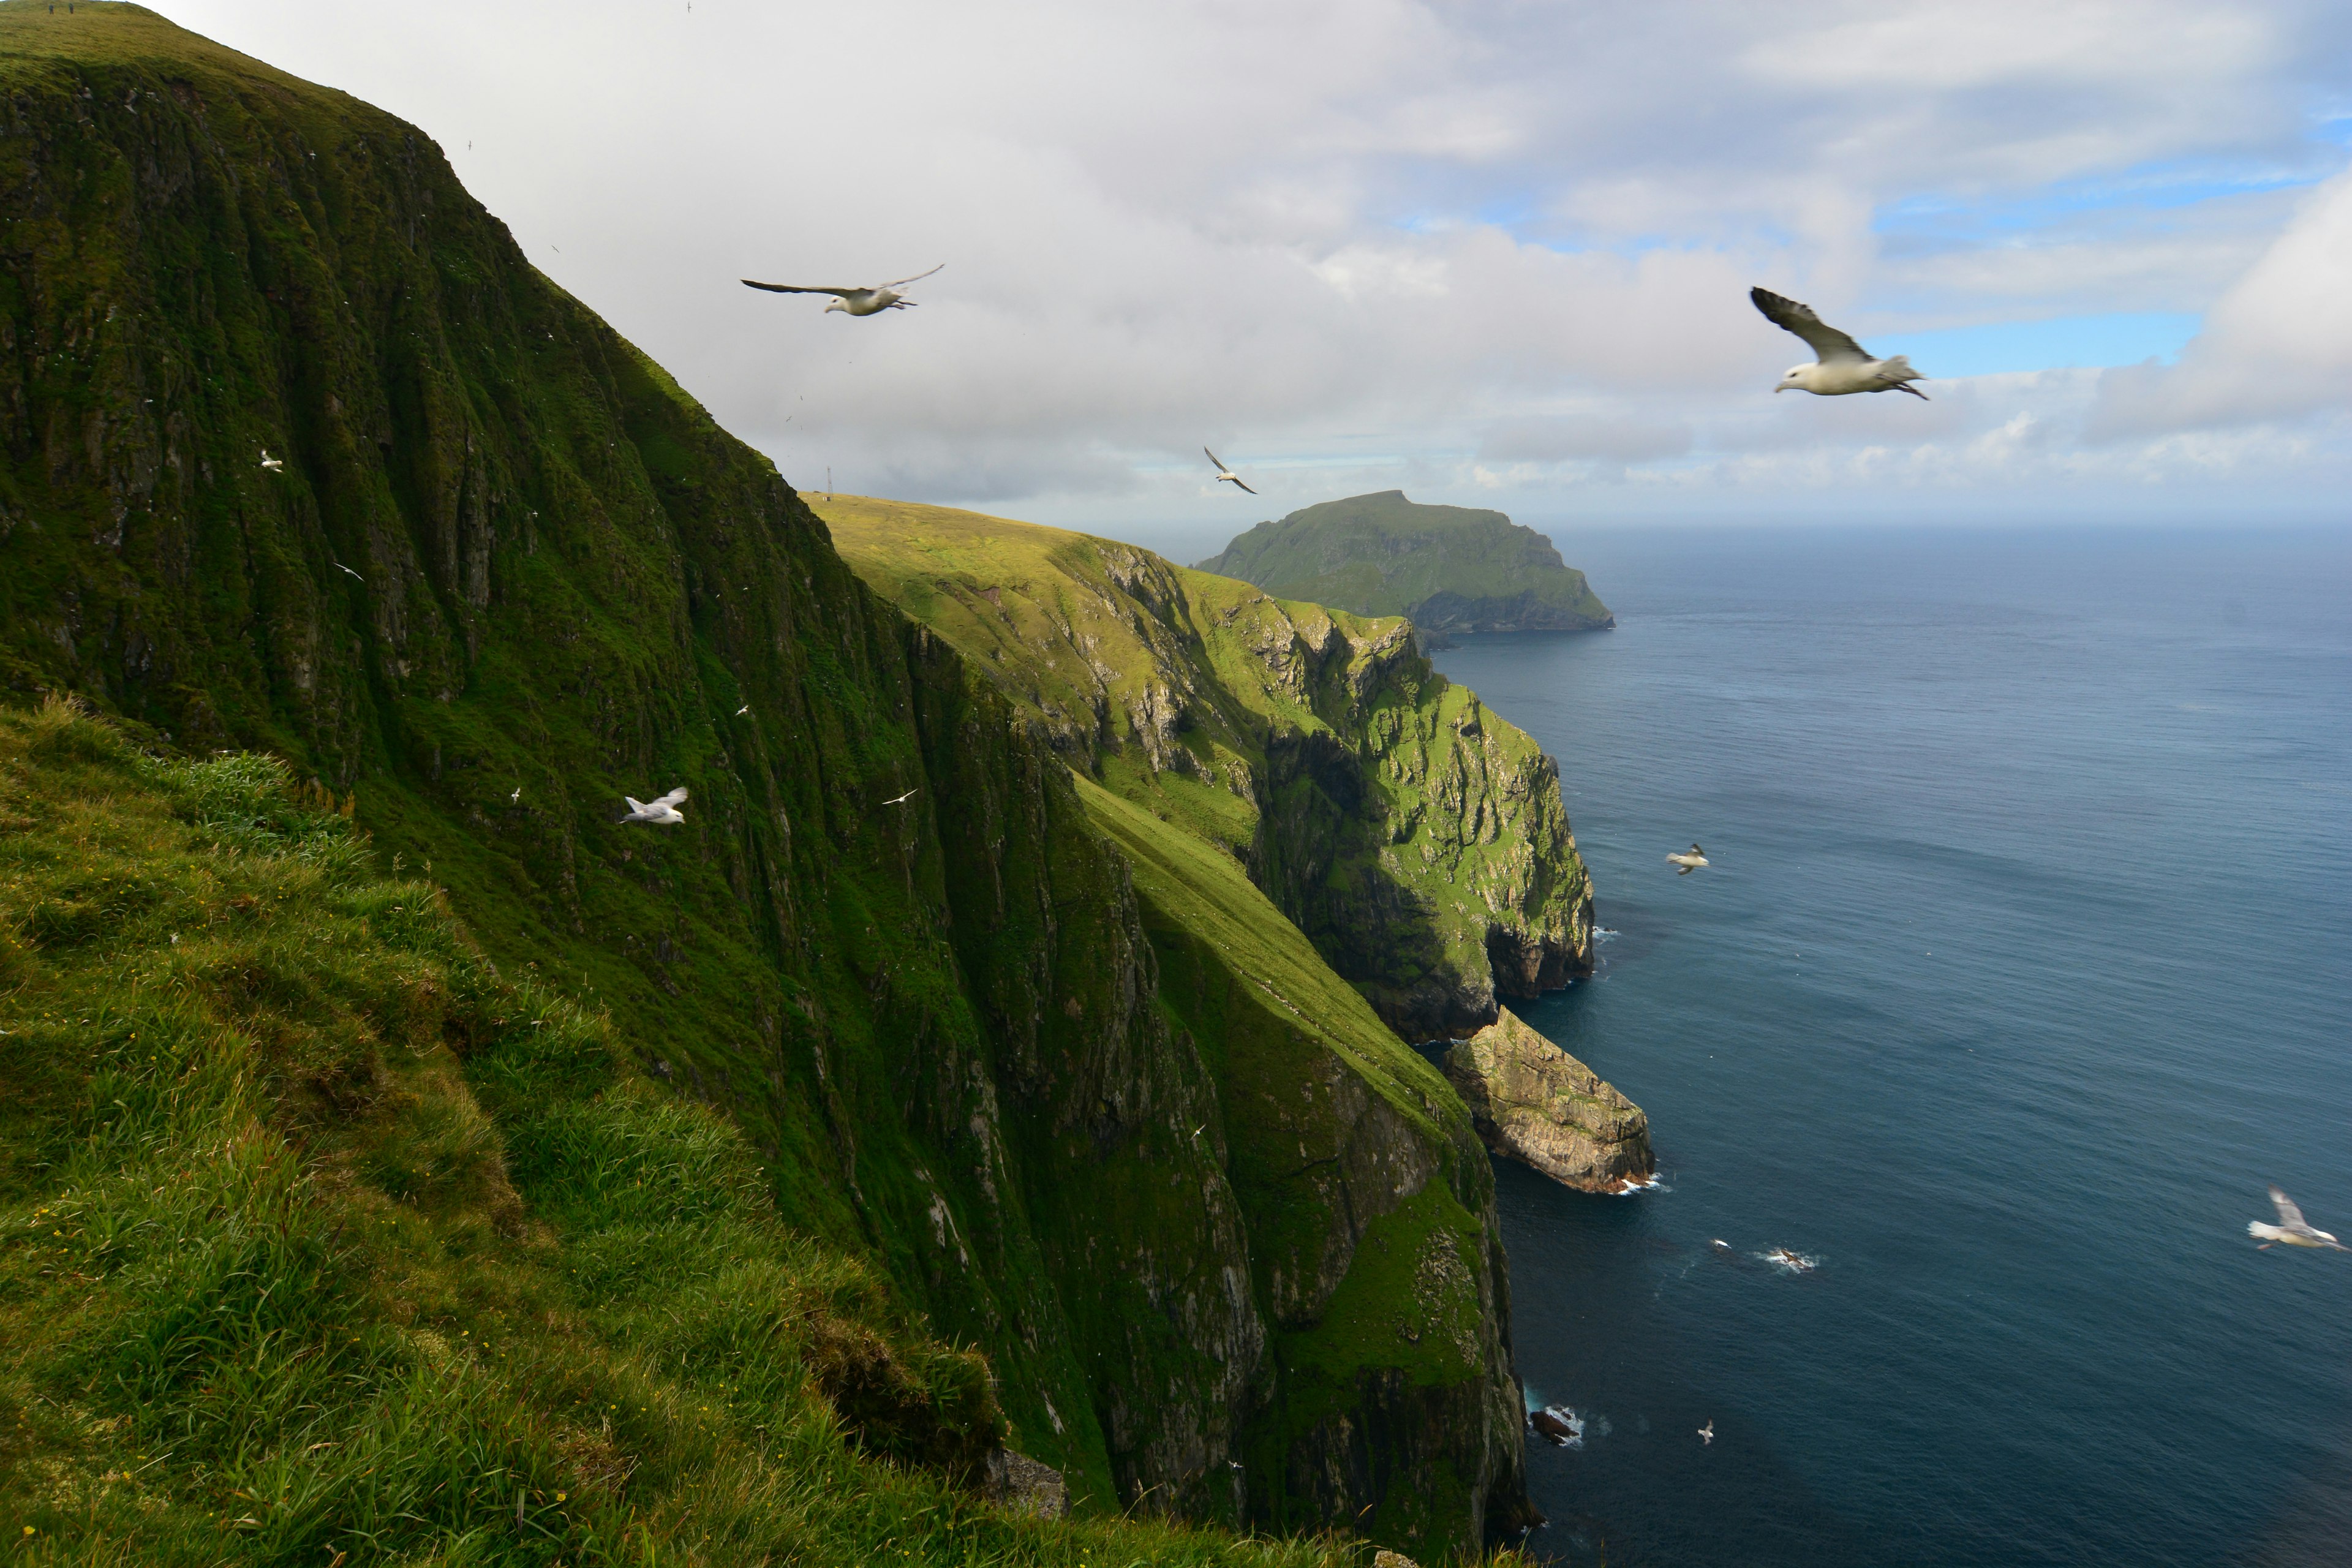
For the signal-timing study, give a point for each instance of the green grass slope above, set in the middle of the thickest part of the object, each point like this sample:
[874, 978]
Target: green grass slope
[509, 571]
[1418, 839]
[1448, 568]
[322, 1240]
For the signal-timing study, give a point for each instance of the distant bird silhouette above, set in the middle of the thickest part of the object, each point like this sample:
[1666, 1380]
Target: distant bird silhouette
[896, 800]
[662, 813]
[272, 464]
[1707, 1433]
[1843, 365]
[863, 302]
[2292, 1228]
[1225, 475]
[1690, 862]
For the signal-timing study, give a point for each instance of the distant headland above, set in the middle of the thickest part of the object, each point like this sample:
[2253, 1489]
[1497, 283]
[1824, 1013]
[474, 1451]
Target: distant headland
[1445, 568]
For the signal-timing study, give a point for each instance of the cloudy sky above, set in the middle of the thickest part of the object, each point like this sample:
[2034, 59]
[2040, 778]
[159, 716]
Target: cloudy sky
[1490, 252]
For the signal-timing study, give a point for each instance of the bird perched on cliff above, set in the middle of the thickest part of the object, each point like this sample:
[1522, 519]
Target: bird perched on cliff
[272, 464]
[866, 301]
[1690, 862]
[1225, 475]
[1843, 366]
[662, 813]
[2292, 1228]
[899, 800]
[1707, 1433]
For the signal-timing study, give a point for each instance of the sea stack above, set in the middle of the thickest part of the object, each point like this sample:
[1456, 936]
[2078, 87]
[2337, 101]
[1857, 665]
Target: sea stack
[1533, 1103]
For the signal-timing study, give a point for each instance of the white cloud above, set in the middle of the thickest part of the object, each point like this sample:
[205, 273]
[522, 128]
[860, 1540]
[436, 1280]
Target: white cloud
[2277, 346]
[1474, 244]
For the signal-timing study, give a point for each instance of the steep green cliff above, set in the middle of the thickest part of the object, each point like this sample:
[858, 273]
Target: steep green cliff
[1446, 568]
[508, 571]
[1417, 838]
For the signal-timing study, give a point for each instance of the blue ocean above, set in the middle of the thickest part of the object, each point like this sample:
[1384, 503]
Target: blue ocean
[2022, 966]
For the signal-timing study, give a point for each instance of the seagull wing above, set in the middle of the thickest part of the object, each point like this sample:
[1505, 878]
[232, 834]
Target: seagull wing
[1827, 343]
[917, 277]
[674, 797]
[1214, 458]
[2289, 1215]
[1238, 485]
[810, 289]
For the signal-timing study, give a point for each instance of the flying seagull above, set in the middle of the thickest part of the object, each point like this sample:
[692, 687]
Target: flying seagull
[662, 813]
[272, 464]
[1225, 475]
[349, 573]
[896, 800]
[1845, 365]
[856, 302]
[1690, 862]
[517, 797]
[740, 711]
[1707, 1433]
[2292, 1228]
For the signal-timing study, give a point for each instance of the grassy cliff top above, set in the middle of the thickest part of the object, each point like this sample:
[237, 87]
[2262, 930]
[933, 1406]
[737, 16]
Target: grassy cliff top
[1384, 555]
[320, 1239]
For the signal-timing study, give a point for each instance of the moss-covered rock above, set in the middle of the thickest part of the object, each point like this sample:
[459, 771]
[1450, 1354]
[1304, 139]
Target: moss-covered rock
[1533, 1103]
[1416, 836]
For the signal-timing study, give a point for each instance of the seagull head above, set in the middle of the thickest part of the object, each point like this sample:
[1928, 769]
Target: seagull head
[836, 305]
[1796, 378]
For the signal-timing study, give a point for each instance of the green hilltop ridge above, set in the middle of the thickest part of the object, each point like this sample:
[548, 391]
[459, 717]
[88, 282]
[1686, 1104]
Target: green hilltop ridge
[829, 1147]
[1445, 568]
[1417, 838]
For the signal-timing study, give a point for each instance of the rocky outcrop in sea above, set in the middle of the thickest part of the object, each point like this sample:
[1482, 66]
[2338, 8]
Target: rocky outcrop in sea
[1533, 1103]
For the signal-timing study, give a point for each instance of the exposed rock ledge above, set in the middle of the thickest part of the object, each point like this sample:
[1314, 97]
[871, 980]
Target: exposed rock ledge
[1539, 1105]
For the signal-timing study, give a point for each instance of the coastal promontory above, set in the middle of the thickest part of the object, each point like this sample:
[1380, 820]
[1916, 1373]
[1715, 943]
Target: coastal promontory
[1445, 568]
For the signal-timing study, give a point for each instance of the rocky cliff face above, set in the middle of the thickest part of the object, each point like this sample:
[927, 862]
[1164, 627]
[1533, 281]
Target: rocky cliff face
[1417, 838]
[506, 571]
[1533, 1103]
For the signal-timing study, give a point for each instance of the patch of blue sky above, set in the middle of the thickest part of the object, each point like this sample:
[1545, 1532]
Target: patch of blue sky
[2154, 188]
[2063, 343]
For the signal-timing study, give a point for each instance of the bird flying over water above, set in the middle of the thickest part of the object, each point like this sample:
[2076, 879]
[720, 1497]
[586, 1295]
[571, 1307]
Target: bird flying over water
[866, 301]
[1225, 475]
[1690, 862]
[898, 799]
[1707, 1433]
[1843, 366]
[2292, 1228]
[662, 813]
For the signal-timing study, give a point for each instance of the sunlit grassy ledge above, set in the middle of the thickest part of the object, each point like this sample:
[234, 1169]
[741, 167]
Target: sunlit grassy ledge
[1415, 836]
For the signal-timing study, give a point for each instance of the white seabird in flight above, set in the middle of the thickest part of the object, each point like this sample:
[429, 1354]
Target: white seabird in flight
[272, 464]
[1707, 1433]
[2292, 1228]
[856, 302]
[662, 813]
[1845, 365]
[899, 800]
[1225, 475]
[1690, 862]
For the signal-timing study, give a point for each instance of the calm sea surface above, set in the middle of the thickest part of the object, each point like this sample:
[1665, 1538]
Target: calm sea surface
[2024, 963]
